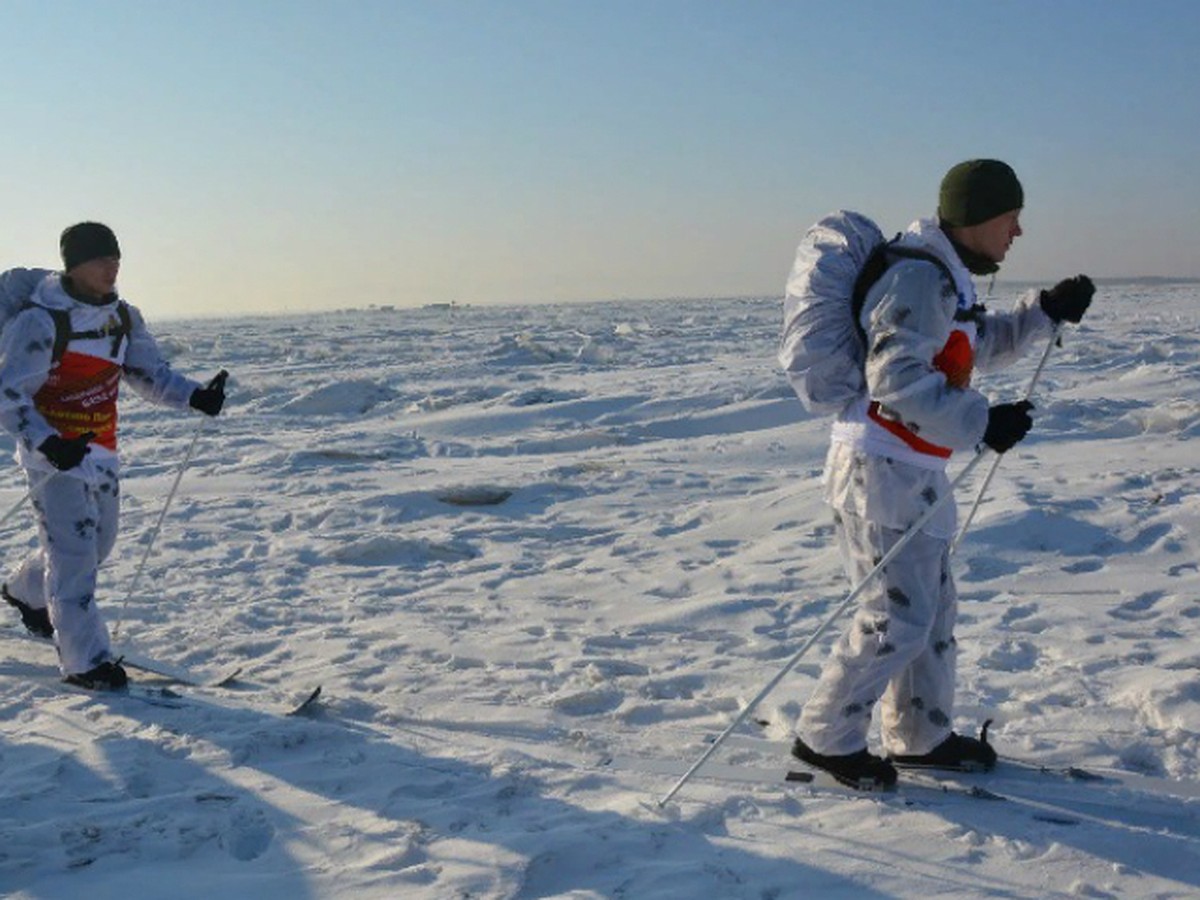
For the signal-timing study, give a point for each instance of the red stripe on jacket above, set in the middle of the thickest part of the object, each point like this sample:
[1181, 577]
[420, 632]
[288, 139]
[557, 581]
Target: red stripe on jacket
[956, 361]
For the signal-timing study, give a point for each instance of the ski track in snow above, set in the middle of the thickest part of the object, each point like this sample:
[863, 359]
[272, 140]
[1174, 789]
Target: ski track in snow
[511, 543]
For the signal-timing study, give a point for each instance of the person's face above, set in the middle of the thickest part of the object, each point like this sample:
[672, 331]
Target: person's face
[97, 277]
[992, 238]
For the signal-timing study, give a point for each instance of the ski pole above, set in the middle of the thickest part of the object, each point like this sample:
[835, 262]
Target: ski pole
[187, 458]
[850, 598]
[1037, 373]
[20, 504]
[16, 508]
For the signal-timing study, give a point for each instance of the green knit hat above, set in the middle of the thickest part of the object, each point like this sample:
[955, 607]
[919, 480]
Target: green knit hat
[977, 190]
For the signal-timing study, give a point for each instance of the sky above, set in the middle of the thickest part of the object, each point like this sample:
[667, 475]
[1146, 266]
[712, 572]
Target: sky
[294, 155]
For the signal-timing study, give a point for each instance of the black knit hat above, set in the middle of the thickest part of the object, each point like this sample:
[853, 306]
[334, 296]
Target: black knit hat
[87, 241]
[977, 190]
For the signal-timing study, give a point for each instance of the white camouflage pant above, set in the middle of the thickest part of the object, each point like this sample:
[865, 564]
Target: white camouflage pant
[77, 526]
[898, 651]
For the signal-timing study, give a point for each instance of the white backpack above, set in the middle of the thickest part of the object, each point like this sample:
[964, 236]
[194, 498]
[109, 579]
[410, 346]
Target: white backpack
[822, 349]
[16, 291]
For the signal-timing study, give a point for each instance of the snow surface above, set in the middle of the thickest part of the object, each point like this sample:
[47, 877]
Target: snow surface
[515, 543]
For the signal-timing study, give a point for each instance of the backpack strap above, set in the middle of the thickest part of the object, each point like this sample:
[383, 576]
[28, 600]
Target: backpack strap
[63, 335]
[925, 256]
[871, 272]
[880, 260]
[126, 325]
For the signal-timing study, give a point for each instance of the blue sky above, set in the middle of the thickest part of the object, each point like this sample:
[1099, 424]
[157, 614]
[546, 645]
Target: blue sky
[272, 155]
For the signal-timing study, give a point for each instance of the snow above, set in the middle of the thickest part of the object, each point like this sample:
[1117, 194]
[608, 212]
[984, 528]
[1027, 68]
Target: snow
[513, 543]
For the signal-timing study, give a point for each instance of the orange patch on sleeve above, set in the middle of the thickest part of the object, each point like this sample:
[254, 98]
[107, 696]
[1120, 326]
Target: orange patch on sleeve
[957, 360]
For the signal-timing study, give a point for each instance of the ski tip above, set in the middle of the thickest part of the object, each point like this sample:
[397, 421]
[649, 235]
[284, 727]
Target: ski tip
[803, 777]
[983, 793]
[306, 704]
[228, 678]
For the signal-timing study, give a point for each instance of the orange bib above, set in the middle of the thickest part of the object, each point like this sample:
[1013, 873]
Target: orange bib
[80, 395]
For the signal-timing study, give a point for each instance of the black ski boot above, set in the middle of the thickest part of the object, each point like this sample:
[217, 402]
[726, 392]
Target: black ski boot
[862, 771]
[956, 753]
[37, 621]
[108, 676]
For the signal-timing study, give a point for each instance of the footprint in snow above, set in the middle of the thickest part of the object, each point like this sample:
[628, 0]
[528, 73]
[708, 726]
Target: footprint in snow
[1011, 656]
[1139, 608]
[402, 554]
[248, 835]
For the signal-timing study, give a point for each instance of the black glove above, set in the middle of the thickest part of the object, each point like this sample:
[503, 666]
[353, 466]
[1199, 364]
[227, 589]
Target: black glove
[1007, 424]
[209, 400]
[1069, 299]
[66, 453]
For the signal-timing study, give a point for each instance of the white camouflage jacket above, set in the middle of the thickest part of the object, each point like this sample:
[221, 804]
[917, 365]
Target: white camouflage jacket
[908, 316]
[26, 366]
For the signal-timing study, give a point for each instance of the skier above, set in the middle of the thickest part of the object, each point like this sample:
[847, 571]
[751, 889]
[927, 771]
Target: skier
[61, 363]
[925, 335]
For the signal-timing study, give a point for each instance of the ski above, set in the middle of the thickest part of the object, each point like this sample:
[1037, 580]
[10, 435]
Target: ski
[171, 673]
[1126, 805]
[302, 706]
[913, 792]
[158, 695]
[153, 696]
[306, 705]
[907, 782]
[1005, 766]
[180, 675]
[1072, 773]
[170, 698]
[907, 785]
[1055, 794]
